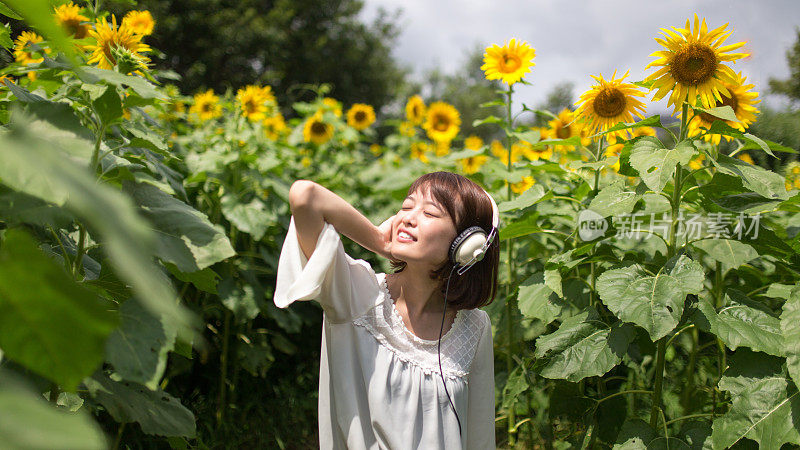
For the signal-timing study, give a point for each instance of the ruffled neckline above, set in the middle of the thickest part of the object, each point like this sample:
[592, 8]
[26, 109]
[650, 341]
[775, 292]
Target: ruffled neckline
[398, 319]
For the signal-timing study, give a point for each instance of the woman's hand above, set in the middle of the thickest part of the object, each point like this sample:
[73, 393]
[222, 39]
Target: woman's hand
[386, 234]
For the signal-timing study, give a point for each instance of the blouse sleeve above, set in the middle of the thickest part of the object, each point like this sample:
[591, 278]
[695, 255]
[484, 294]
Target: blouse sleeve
[480, 406]
[345, 287]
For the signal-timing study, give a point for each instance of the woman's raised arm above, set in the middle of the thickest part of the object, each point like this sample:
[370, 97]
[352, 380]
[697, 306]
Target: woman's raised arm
[312, 205]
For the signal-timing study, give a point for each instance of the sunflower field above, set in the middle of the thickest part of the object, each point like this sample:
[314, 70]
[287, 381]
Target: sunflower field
[649, 290]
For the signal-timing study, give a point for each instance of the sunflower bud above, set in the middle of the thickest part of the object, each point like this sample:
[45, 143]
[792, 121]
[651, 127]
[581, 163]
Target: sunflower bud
[126, 60]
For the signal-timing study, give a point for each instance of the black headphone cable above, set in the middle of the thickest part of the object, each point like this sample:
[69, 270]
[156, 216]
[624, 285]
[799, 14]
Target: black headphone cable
[439, 349]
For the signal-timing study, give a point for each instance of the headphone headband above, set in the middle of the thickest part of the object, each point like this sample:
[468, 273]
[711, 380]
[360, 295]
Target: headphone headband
[471, 245]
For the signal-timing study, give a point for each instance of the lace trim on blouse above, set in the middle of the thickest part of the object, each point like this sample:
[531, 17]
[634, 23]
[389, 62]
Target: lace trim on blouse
[459, 344]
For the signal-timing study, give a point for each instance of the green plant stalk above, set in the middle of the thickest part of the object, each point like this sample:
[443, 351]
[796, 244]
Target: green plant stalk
[118, 439]
[93, 167]
[688, 389]
[671, 250]
[223, 370]
[54, 391]
[512, 419]
[721, 355]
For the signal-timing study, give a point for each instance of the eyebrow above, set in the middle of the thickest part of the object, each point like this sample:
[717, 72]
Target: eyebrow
[426, 202]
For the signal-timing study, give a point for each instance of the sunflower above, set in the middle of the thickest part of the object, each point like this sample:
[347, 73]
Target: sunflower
[255, 101]
[442, 148]
[616, 142]
[564, 126]
[522, 186]
[739, 99]
[442, 122]
[360, 116]
[5, 79]
[21, 53]
[419, 150]
[746, 158]
[108, 36]
[69, 17]
[792, 175]
[206, 106]
[415, 110]
[141, 22]
[407, 129]
[509, 62]
[473, 163]
[692, 64]
[274, 126]
[608, 103]
[697, 162]
[375, 149]
[316, 130]
[332, 105]
[473, 143]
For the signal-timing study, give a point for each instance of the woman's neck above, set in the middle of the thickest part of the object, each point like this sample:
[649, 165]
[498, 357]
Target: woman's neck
[414, 288]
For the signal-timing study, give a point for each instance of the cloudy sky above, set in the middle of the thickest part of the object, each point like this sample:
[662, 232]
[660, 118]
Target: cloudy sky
[578, 38]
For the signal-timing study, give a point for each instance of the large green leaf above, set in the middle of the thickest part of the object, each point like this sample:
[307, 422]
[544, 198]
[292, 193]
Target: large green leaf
[138, 348]
[185, 236]
[583, 346]
[636, 434]
[538, 301]
[755, 178]
[730, 252]
[654, 302]
[742, 323]
[35, 165]
[138, 84]
[530, 197]
[28, 422]
[240, 300]
[156, 411]
[614, 199]
[529, 223]
[656, 164]
[16, 207]
[516, 384]
[790, 327]
[49, 323]
[252, 218]
[765, 404]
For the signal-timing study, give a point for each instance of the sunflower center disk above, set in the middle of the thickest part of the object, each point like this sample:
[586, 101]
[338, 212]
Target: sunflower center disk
[318, 128]
[610, 102]
[563, 132]
[694, 64]
[441, 124]
[726, 101]
[510, 63]
[361, 116]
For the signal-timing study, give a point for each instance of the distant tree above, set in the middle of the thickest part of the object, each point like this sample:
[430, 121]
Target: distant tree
[561, 96]
[790, 87]
[223, 44]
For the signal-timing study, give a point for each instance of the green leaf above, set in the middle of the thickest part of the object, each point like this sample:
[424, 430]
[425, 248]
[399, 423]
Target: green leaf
[147, 139]
[765, 404]
[252, 218]
[36, 166]
[652, 121]
[138, 348]
[778, 290]
[607, 161]
[240, 300]
[635, 434]
[5, 35]
[138, 84]
[583, 346]
[530, 136]
[790, 328]
[156, 411]
[656, 164]
[538, 301]
[721, 112]
[28, 422]
[8, 12]
[515, 386]
[742, 323]
[731, 253]
[572, 142]
[755, 178]
[521, 227]
[185, 236]
[722, 128]
[16, 207]
[614, 199]
[654, 302]
[489, 119]
[108, 106]
[205, 280]
[51, 324]
[528, 198]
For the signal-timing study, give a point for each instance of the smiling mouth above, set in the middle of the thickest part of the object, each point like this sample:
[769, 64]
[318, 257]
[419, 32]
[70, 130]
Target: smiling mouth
[405, 237]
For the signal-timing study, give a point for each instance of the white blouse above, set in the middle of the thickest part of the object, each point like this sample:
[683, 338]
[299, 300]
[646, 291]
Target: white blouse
[379, 384]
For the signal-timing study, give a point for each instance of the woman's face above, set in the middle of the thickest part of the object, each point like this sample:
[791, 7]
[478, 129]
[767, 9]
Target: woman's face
[422, 231]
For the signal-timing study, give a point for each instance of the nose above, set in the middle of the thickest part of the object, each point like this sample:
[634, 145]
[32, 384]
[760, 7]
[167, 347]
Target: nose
[410, 217]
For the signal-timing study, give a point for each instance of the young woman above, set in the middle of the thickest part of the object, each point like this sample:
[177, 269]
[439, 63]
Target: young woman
[407, 359]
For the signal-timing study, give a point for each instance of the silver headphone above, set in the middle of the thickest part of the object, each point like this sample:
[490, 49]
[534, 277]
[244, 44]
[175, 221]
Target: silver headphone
[471, 245]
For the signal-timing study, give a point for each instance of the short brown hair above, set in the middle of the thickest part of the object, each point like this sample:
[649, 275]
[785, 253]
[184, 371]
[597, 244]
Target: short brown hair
[468, 206]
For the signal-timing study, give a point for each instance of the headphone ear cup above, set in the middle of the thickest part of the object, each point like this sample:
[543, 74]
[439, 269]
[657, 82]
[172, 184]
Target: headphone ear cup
[463, 247]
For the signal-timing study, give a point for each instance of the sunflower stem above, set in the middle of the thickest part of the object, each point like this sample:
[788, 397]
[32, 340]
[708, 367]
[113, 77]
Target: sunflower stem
[510, 303]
